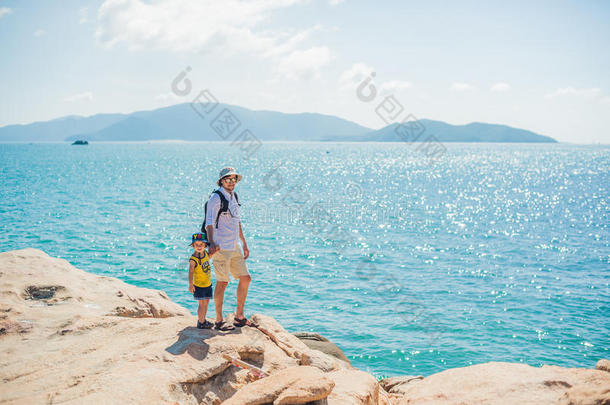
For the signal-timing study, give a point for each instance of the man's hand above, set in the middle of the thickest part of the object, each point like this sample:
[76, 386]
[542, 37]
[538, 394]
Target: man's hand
[213, 248]
[246, 252]
[192, 288]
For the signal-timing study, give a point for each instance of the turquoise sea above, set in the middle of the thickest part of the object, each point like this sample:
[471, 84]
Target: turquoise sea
[494, 252]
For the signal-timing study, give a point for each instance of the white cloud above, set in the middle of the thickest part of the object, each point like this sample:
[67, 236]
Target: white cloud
[290, 44]
[500, 86]
[335, 2]
[605, 100]
[39, 33]
[5, 11]
[394, 85]
[305, 64]
[86, 96]
[184, 25]
[230, 27]
[574, 92]
[82, 15]
[458, 86]
[350, 78]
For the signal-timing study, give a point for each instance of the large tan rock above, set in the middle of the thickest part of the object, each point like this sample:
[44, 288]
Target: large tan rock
[603, 364]
[70, 337]
[353, 387]
[318, 342]
[33, 279]
[67, 336]
[294, 347]
[508, 384]
[295, 385]
[398, 385]
[586, 395]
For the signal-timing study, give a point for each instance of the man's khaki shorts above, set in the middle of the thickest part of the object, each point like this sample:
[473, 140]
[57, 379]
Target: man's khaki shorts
[225, 261]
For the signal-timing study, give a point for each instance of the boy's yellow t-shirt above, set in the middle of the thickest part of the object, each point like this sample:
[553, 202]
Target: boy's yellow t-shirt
[202, 274]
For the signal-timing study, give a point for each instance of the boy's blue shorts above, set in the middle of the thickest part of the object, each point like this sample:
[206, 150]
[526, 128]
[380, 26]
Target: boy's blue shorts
[203, 293]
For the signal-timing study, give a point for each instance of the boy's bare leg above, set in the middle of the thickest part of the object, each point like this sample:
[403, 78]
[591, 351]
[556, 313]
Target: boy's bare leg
[242, 293]
[202, 310]
[219, 295]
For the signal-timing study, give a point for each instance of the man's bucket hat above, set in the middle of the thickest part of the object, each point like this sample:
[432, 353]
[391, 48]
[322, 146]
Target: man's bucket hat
[228, 171]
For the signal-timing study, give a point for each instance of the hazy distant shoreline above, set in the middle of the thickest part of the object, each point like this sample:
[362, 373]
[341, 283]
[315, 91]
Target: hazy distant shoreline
[229, 122]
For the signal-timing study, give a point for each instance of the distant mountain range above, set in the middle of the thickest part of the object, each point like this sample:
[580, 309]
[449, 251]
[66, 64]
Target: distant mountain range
[473, 132]
[226, 122]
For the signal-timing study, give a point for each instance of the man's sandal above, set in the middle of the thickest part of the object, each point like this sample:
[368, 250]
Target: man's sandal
[223, 326]
[244, 322]
[204, 325]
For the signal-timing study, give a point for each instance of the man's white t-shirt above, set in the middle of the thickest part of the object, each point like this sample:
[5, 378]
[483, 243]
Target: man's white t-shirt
[226, 236]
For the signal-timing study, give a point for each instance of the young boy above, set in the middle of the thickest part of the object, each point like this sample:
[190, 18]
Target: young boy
[200, 280]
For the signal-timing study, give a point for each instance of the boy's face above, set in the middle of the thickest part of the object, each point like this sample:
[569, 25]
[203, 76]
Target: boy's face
[199, 246]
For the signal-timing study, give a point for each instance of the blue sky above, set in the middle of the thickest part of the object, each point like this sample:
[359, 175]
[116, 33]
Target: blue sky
[538, 65]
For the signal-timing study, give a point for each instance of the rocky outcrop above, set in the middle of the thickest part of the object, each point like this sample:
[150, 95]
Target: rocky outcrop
[603, 364]
[294, 385]
[353, 387]
[399, 385]
[70, 337]
[67, 336]
[318, 342]
[510, 383]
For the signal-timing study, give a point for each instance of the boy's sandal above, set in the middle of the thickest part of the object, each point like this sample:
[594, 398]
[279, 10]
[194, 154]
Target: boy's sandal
[244, 322]
[223, 326]
[204, 325]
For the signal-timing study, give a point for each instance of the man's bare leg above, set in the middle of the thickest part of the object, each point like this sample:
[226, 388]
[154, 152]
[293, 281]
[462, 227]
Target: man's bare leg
[219, 295]
[242, 293]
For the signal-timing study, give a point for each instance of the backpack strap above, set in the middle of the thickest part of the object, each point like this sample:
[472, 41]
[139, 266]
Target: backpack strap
[224, 205]
[205, 214]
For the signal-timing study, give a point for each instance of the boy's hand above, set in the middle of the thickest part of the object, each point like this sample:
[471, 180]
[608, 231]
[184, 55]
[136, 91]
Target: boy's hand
[192, 288]
[213, 248]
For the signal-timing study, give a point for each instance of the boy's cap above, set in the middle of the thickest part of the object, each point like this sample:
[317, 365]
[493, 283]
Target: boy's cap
[199, 237]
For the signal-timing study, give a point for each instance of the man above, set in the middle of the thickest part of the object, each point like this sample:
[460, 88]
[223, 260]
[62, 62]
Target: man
[223, 227]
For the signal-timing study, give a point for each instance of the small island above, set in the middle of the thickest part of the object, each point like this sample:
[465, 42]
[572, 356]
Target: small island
[80, 142]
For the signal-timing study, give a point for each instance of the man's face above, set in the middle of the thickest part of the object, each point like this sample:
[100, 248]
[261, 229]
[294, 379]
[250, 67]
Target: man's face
[229, 182]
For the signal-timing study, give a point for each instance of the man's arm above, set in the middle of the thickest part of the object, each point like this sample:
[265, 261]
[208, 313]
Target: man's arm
[213, 246]
[191, 276]
[210, 219]
[243, 242]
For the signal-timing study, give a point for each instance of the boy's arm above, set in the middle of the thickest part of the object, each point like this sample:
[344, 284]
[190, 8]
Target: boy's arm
[191, 276]
[244, 245]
